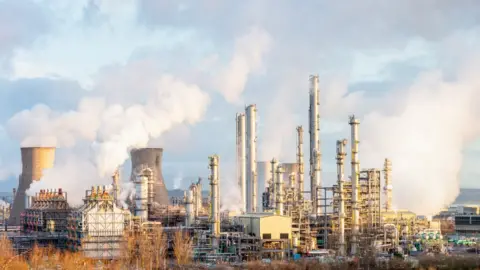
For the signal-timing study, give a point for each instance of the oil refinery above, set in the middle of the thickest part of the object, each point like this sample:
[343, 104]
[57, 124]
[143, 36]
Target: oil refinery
[284, 220]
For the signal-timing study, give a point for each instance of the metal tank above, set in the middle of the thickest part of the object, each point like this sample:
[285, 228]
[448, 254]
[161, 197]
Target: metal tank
[34, 161]
[151, 158]
[263, 178]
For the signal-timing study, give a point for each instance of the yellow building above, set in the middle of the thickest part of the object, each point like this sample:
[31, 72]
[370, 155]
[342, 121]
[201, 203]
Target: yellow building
[267, 226]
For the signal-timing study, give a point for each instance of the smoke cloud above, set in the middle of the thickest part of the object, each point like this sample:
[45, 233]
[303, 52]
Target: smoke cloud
[424, 137]
[114, 129]
[248, 57]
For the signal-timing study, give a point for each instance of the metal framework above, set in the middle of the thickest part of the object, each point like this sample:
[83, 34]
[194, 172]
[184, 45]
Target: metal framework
[97, 228]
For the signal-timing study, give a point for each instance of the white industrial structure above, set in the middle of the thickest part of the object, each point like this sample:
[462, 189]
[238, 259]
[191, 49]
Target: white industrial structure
[354, 122]
[340, 178]
[214, 199]
[251, 157]
[141, 194]
[315, 154]
[97, 228]
[279, 191]
[301, 187]
[387, 169]
[189, 213]
[273, 171]
[241, 159]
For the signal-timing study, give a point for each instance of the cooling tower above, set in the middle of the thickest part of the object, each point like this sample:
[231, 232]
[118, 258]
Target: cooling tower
[34, 161]
[143, 158]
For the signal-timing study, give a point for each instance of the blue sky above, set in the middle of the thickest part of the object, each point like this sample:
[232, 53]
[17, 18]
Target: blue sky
[105, 69]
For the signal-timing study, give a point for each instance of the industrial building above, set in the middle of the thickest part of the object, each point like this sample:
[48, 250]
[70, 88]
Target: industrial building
[278, 216]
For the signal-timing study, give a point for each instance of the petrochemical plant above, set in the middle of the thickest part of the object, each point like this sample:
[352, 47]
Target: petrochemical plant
[283, 221]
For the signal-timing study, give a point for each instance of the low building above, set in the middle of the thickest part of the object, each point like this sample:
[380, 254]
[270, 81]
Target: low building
[467, 225]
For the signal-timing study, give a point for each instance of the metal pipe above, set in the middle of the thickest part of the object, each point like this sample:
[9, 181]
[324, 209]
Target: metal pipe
[189, 216]
[251, 167]
[115, 183]
[341, 209]
[214, 193]
[314, 130]
[274, 183]
[279, 191]
[300, 162]
[241, 156]
[355, 185]
[387, 169]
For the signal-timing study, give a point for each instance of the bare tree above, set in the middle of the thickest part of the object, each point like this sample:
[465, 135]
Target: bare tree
[182, 247]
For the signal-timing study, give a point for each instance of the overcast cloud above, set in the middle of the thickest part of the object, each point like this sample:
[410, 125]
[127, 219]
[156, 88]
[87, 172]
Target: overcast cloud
[403, 67]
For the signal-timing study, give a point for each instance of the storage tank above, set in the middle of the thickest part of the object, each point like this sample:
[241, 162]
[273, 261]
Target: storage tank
[34, 161]
[263, 176]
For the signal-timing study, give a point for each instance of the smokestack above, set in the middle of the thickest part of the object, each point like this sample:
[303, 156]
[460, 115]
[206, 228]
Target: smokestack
[279, 191]
[251, 114]
[116, 183]
[141, 196]
[355, 185]
[341, 209]
[241, 155]
[151, 158]
[34, 161]
[314, 130]
[273, 171]
[300, 162]
[198, 197]
[387, 169]
[189, 217]
[214, 193]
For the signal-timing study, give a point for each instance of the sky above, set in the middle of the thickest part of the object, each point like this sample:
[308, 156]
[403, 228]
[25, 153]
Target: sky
[97, 77]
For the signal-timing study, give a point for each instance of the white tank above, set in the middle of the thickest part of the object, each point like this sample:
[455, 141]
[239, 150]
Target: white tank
[141, 196]
[263, 177]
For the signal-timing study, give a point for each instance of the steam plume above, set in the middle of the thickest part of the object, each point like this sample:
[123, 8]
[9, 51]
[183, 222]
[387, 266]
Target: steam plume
[424, 139]
[114, 129]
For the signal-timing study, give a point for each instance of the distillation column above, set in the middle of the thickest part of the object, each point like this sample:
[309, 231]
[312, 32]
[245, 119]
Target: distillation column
[274, 183]
[300, 162]
[314, 130]
[241, 162]
[251, 167]
[341, 209]
[387, 169]
[355, 185]
[215, 196]
[189, 207]
[279, 191]
[141, 196]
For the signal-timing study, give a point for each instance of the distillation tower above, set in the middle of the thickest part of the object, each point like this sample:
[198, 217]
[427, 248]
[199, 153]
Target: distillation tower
[251, 166]
[315, 154]
[215, 196]
[387, 169]
[241, 162]
[340, 178]
[354, 122]
[300, 163]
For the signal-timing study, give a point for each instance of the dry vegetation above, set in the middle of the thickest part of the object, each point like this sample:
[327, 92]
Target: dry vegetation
[182, 248]
[149, 251]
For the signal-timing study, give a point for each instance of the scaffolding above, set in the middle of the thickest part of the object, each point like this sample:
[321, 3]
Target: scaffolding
[48, 212]
[97, 228]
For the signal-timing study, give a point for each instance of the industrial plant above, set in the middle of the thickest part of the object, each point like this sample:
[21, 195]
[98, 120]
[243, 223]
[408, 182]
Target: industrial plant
[284, 220]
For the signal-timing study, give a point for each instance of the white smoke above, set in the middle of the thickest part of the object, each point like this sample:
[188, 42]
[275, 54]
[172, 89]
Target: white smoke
[4, 204]
[114, 129]
[247, 59]
[74, 175]
[424, 139]
[177, 180]
[127, 189]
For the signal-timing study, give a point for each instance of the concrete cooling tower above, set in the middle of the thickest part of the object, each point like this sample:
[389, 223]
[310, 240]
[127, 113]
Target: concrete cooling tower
[34, 161]
[150, 158]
